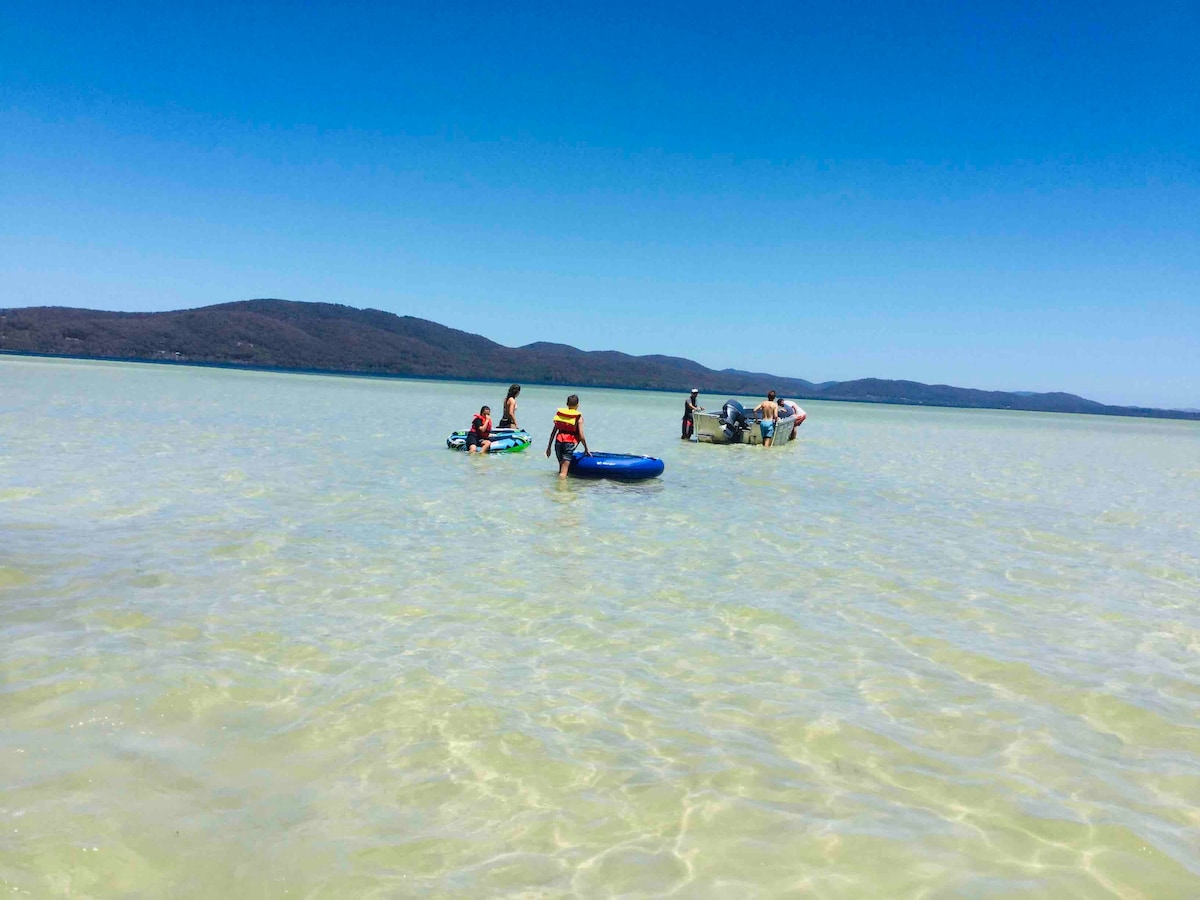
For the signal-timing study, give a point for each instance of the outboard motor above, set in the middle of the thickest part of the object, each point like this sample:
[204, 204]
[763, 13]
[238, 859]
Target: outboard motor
[733, 420]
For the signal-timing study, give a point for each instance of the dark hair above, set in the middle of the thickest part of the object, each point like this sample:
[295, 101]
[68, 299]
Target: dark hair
[573, 400]
[770, 395]
[484, 409]
[513, 390]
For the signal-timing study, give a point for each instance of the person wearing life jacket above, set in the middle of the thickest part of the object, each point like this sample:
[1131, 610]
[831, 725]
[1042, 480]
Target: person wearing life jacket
[796, 411]
[567, 435]
[481, 430]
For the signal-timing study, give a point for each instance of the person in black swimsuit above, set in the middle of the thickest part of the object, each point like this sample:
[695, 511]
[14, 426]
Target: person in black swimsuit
[508, 418]
[689, 407]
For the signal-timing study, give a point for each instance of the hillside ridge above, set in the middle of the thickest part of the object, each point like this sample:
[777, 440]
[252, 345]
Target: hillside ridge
[330, 337]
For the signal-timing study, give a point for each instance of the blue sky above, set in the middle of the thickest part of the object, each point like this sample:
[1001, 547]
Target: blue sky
[1001, 196]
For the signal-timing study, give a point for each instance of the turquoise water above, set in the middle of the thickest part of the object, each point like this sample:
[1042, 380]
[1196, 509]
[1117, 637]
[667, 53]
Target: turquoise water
[263, 635]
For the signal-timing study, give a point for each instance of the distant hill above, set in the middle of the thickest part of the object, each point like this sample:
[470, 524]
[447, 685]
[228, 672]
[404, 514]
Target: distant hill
[325, 337]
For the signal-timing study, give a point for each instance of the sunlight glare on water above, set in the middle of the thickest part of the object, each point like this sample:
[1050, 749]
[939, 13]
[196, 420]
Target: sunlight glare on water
[264, 634]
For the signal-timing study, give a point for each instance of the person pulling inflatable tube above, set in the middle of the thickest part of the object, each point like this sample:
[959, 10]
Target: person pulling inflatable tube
[567, 434]
[575, 458]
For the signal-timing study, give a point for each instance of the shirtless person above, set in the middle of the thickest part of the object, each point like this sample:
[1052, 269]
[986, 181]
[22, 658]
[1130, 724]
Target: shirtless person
[770, 415]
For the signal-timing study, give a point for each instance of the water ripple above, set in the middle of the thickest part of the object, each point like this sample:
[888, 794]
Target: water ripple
[263, 635]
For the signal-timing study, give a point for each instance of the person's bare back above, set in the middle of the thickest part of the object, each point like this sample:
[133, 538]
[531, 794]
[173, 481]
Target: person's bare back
[769, 410]
[770, 415]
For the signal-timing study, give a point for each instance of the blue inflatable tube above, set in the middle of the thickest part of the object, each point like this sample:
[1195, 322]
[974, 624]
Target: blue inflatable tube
[618, 466]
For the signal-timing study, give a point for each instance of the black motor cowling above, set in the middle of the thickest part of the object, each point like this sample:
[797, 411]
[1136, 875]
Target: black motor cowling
[733, 420]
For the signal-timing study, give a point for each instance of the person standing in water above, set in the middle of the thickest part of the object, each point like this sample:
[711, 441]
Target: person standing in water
[796, 411]
[481, 431]
[508, 418]
[770, 415]
[567, 435]
[690, 407]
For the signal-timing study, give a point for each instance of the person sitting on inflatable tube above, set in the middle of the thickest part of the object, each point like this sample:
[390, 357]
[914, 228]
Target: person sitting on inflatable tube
[796, 411]
[481, 430]
[567, 435]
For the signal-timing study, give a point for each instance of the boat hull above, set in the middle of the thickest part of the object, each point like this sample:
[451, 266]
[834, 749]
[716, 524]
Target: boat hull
[708, 430]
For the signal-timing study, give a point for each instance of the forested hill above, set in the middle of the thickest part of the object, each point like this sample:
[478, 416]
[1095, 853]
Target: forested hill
[326, 337]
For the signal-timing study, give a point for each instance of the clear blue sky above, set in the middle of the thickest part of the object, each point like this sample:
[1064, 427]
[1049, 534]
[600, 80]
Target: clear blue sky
[998, 196]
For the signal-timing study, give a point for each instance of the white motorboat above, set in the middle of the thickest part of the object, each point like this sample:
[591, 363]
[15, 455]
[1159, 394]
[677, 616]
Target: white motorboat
[735, 424]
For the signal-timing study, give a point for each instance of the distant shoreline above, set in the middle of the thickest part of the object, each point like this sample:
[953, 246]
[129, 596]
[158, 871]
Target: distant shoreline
[1173, 415]
[273, 335]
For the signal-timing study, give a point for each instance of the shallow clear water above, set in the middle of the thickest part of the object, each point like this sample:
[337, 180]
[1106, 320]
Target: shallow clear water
[263, 635]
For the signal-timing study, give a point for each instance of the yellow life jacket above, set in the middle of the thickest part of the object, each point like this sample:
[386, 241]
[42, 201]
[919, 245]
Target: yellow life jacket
[566, 421]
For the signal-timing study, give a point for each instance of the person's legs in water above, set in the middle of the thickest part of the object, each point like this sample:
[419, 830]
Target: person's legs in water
[767, 430]
[565, 451]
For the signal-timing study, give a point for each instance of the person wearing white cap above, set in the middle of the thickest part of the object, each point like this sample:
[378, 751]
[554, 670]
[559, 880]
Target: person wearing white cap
[689, 407]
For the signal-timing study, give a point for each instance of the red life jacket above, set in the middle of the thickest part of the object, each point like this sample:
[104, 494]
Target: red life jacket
[482, 426]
